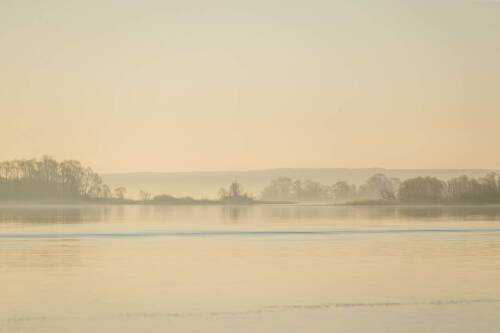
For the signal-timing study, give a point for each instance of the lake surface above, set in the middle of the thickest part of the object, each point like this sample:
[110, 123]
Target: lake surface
[283, 268]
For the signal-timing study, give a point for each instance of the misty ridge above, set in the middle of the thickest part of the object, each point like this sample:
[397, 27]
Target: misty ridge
[47, 180]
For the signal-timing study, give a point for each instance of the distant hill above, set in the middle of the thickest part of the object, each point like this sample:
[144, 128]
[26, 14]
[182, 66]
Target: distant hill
[205, 184]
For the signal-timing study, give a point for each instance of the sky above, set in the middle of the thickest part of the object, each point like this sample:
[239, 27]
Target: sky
[189, 85]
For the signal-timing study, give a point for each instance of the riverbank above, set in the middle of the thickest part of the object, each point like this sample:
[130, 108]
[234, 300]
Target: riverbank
[176, 202]
[395, 203]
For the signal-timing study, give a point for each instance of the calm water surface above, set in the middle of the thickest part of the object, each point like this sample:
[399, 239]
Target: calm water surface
[249, 269]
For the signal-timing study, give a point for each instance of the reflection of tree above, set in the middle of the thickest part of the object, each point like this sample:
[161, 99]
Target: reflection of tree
[236, 213]
[290, 214]
[68, 214]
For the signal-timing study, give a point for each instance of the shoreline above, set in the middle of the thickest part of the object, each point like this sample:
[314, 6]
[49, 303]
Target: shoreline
[140, 203]
[218, 203]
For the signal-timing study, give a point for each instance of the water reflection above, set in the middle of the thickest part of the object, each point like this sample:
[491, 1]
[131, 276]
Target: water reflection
[239, 214]
[34, 253]
[59, 214]
[235, 213]
[268, 264]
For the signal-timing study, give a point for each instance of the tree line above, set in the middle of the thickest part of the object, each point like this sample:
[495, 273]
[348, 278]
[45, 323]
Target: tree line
[46, 178]
[419, 190]
[69, 180]
[287, 189]
[460, 190]
[233, 194]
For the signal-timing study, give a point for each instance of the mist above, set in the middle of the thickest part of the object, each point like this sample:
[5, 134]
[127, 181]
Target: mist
[249, 166]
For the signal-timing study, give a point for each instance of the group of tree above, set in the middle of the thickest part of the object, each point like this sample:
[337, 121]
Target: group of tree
[458, 190]
[69, 180]
[286, 189]
[382, 188]
[49, 179]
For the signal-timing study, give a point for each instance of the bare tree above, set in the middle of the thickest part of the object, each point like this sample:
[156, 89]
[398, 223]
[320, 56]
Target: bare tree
[145, 196]
[234, 194]
[120, 192]
[47, 178]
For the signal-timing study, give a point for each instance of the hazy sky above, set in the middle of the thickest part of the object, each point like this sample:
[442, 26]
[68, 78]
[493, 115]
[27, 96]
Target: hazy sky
[217, 85]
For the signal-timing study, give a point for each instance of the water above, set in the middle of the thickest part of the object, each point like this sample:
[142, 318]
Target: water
[249, 269]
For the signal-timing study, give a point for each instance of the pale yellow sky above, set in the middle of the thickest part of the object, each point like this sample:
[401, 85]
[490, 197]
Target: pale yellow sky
[230, 85]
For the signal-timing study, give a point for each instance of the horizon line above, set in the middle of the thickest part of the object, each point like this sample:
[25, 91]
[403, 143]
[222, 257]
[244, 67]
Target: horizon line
[292, 168]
